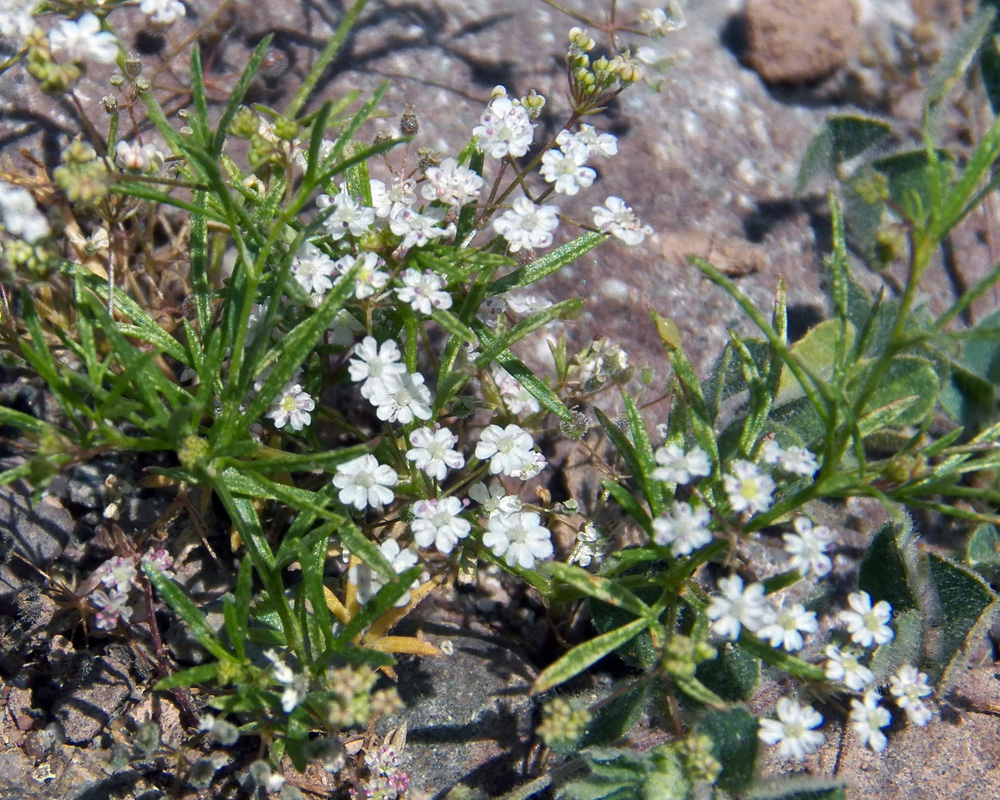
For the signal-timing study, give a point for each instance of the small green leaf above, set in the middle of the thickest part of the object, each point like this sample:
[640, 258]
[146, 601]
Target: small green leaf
[734, 745]
[196, 676]
[607, 591]
[840, 139]
[185, 608]
[733, 674]
[884, 573]
[583, 655]
[616, 718]
[780, 659]
[818, 349]
[983, 550]
[798, 789]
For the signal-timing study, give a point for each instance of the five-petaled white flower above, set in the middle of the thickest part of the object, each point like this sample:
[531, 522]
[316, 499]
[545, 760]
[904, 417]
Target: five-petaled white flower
[784, 625]
[82, 40]
[519, 401]
[437, 522]
[506, 128]
[138, 157]
[401, 397]
[367, 582]
[793, 730]
[519, 538]
[451, 183]
[433, 452]
[348, 216]
[748, 488]
[867, 625]
[416, 229]
[292, 408]
[684, 529]
[508, 449]
[603, 144]
[796, 460]
[527, 226]
[424, 291]
[369, 278]
[19, 214]
[566, 169]
[676, 466]
[373, 363]
[494, 499]
[313, 269]
[909, 687]
[736, 607]
[363, 482]
[868, 718]
[808, 546]
[843, 665]
[162, 12]
[620, 221]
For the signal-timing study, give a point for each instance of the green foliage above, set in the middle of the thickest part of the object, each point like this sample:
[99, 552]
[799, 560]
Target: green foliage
[734, 744]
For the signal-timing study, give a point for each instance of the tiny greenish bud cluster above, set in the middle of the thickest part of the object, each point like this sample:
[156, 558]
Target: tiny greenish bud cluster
[563, 724]
[82, 176]
[193, 452]
[698, 753]
[352, 702]
[682, 655]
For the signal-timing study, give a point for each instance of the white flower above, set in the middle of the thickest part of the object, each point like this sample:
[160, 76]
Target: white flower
[509, 449]
[620, 221]
[364, 482]
[162, 12]
[843, 665]
[566, 170]
[518, 400]
[783, 626]
[313, 269]
[348, 215]
[591, 545]
[451, 183]
[533, 466]
[519, 538]
[748, 488]
[490, 310]
[82, 40]
[868, 718]
[295, 685]
[493, 499]
[808, 546]
[424, 291]
[141, 158]
[737, 607]
[436, 522]
[344, 329]
[909, 687]
[384, 198]
[373, 363]
[526, 225]
[867, 625]
[368, 582]
[401, 397]
[506, 128]
[113, 607]
[793, 730]
[20, 215]
[16, 21]
[369, 278]
[433, 452]
[416, 229]
[796, 460]
[685, 529]
[292, 408]
[604, 144]
[117, 574]
[527, 303]
[679, 467]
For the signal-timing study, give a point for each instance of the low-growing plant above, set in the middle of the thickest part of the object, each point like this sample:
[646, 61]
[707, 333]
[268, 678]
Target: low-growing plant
[331, 359]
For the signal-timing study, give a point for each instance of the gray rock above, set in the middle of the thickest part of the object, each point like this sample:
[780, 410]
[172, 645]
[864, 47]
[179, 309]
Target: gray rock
[468, 714]
[37, 533]
[84, 711]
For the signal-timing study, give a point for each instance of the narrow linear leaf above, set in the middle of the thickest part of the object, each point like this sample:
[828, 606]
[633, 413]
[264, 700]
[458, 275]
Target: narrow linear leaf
[185, 608]
[582, 656]
[597, 587]
[547, 264]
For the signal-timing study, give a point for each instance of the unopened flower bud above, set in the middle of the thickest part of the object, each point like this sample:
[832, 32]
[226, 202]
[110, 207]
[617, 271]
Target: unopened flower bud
[409, 125]
[132, 68]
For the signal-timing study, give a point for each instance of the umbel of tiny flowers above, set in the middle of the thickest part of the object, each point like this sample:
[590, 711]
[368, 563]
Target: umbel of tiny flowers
[843, 665]
[784, 625]
[909, 686]
[808, 546]
[348, 216]
[363, 482]
[433, 452]
[527, 226]
[401, 398]
[794, 460]
[367, 582]
[620, 221]
[680, 467]
[509, 449]
[373, 363]
[81, 40]
[684, 529]
[437, 522]
[505, 127]
[737, 606]
[19, 214]
[867, 624]
[793, 731]
[748, 488]
[519, 538]
[868, 718]
[292, 408]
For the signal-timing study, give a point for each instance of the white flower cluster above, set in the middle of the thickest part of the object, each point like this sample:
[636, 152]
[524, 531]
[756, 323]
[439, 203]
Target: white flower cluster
[118, 576]
[81, 40]
[19, 215]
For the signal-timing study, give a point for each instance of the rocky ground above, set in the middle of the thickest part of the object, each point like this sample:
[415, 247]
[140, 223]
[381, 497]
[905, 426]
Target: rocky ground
[709, 160]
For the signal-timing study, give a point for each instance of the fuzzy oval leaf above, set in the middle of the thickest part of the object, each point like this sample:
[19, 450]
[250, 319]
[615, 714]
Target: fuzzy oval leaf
[965, 597]
[583, 655]
[734, 745]
[817, 350]
[840, 139]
